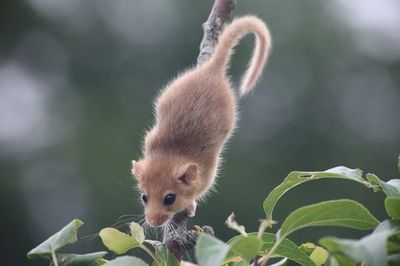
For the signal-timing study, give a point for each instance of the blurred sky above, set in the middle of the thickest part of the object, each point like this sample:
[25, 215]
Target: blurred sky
[77, 80]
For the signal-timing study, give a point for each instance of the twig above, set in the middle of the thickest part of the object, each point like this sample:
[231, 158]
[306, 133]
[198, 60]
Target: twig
[221, 13]
[176, 237]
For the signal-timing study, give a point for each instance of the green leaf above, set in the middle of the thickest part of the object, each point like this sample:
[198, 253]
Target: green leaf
[392, 206]
[246, 247]
[137, 232]
[126, 261]
[65, 236]
[345, 213]
[210, 251]
[390, 188]
[117, 241]
[296, 178]
[370, 249]
[91, 259]
[319, 256]
[101, 262]
[165, 257]
[282, 262]
[339, 260]
[286, 249]
[393, 244]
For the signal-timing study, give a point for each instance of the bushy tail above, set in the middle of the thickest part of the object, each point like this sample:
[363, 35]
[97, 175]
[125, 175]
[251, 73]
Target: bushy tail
[228, 40]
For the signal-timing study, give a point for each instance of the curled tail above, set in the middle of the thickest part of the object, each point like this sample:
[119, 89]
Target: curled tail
[228, 40]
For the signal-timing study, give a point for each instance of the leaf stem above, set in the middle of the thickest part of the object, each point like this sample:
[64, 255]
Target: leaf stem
[54, 257]
[261, 230]
[264, 224]
[265, 258]
[149, 252]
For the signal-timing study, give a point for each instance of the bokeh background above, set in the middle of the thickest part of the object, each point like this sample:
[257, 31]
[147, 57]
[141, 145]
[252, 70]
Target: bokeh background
[77, 80]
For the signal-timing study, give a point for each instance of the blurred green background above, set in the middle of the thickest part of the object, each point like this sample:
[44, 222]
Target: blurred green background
[77, 80]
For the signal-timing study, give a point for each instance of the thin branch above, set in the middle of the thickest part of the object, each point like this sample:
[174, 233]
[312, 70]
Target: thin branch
[221, 13]
[176, 236]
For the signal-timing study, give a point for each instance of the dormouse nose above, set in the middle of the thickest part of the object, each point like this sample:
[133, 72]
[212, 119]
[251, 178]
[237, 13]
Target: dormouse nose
[156, 219]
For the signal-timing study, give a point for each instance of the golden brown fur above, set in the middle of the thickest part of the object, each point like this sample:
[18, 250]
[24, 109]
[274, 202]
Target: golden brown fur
[194, 116]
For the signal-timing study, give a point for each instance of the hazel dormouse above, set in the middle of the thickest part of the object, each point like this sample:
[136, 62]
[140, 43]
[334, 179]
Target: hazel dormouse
[194, 117]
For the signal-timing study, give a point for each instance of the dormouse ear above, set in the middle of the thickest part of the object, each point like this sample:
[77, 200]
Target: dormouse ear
[136, 168]
[189, 173]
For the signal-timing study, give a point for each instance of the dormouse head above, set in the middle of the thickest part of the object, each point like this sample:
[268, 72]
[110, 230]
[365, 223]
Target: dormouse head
[167, 186]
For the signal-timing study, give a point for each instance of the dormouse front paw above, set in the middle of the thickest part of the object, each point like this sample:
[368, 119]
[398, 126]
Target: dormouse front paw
[191, 209]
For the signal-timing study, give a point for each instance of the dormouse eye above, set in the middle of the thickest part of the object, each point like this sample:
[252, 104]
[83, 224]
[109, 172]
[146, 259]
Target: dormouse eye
[169, 199]
[144, 198]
